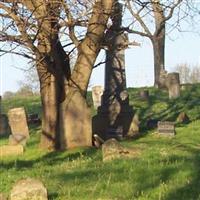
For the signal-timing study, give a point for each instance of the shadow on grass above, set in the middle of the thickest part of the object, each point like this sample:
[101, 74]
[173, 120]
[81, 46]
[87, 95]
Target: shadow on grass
[48, 159]
[144, 179]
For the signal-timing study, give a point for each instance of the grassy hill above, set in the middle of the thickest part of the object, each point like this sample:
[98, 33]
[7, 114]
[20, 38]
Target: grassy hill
[167, 169]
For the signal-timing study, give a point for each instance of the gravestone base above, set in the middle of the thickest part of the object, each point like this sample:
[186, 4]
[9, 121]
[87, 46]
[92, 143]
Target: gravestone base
[11, 150]
[125, 126]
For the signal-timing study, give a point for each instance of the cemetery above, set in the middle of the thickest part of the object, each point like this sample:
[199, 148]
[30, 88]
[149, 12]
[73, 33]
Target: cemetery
[72, 141]
[140, 164]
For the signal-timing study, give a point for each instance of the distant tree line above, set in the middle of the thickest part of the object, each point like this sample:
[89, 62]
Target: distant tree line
[188, 73]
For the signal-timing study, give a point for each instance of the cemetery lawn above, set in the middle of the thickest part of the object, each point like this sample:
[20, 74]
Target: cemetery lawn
[167, 168]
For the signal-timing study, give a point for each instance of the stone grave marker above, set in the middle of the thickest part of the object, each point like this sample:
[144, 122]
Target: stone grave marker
[29, 189]
[166, 128]
[144, 95]
[115, 114]
[18, 122]
[182, 118]
[173, 84]
[97, 92]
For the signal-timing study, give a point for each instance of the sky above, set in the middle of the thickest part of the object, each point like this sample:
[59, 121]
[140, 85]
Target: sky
[180, 48]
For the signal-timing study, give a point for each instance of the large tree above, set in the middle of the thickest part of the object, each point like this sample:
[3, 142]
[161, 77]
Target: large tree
[38, 30]
[150, 19]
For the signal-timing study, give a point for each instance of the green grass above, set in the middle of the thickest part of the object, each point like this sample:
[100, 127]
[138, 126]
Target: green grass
[167, 169]
[31, 104]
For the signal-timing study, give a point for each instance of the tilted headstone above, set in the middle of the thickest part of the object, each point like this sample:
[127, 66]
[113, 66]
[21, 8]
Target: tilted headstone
[29, 189]
[166, 128]
[97, 92]
[18, 121]
[134, 127]
[182, 118]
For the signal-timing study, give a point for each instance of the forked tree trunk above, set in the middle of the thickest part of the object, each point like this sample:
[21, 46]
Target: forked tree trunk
[75, 117]
[66, 116]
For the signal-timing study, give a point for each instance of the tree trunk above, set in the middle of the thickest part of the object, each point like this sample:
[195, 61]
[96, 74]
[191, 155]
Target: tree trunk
[159, 57]
[158, 41]
[49, 99]
[66, 116]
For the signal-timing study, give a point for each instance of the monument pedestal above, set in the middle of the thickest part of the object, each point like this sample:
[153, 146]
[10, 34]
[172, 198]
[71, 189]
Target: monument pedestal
[115, 118]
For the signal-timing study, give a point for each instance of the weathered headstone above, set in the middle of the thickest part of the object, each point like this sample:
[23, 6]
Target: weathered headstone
[171, 81]
[18, 121]
[115, 115]
[76, 130]
[97, 92]
[134, 127]
[112, 149]
[11, 150]
[144, 95]
[28, 189]
[173, 85]
[166, 128]
[183, 118]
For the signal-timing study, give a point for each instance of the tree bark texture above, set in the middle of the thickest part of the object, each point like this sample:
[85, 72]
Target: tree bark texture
[158, 40]
[159, 57]
[66, 116]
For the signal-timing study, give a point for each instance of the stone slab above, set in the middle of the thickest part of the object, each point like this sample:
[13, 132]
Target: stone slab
[112, 149]
[166, 128]
[11, 150]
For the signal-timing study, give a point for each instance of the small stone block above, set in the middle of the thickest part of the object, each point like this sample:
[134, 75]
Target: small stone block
[29, 189]
[166, 128]
[11, 150]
